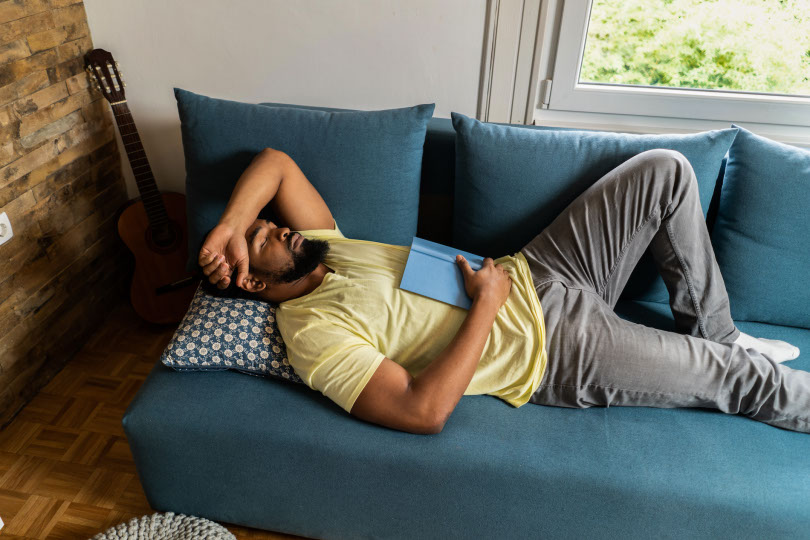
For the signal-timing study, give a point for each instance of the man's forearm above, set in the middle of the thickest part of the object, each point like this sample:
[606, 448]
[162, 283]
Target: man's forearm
[439, 386]
[256, 187]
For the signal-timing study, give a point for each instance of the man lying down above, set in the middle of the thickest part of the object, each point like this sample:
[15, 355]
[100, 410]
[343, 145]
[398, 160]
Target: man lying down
[541, 328]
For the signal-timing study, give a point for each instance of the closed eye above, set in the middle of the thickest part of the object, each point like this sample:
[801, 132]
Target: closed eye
[253, 235]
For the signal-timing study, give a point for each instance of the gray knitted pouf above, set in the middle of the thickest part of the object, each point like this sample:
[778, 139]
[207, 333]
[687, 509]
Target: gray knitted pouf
[168, 526]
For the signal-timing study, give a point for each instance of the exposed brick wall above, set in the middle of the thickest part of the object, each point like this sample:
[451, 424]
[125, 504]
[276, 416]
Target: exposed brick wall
[61, 186]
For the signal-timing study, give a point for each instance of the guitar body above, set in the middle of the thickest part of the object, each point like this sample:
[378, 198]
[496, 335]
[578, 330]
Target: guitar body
[158, 265]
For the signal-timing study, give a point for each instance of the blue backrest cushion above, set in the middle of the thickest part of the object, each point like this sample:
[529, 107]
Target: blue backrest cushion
[762, 233]
[219, 333]
[365, 164]
[512, 182]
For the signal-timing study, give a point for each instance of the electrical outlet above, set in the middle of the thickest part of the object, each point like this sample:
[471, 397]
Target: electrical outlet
[5, 229]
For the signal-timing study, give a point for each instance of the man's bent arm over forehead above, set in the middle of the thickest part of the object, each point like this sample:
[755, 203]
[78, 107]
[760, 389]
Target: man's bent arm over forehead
[272, 178]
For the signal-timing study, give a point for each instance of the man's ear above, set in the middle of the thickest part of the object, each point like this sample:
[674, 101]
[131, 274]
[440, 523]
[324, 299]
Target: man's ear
[252, 284]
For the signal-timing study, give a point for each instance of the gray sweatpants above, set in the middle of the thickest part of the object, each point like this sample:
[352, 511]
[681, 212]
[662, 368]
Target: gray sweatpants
[580, 264]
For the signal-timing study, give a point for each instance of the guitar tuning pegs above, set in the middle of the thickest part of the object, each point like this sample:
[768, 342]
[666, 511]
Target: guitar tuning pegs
[91, 76]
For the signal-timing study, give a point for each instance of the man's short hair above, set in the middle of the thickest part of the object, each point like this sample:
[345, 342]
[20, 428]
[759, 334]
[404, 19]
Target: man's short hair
[231, 291]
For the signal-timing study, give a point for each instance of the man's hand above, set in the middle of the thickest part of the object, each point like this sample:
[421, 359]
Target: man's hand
[224, 248]
[490, 281]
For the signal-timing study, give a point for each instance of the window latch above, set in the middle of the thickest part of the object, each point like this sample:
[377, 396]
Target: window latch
[543, 93]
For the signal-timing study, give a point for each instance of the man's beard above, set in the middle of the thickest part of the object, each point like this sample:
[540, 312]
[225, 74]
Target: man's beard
[310, 254]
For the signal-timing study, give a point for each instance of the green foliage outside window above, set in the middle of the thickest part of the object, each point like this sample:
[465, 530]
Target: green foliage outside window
[750, 45]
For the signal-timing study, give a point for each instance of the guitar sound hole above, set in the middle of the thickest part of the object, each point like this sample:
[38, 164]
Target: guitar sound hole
[164, 239]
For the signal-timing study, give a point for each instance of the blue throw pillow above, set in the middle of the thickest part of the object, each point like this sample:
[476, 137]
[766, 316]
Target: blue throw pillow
[219, 333]
[365, 164]
[512, 181]
[762, 233]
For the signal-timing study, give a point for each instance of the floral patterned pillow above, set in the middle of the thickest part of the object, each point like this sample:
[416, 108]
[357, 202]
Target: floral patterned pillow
[219, 333]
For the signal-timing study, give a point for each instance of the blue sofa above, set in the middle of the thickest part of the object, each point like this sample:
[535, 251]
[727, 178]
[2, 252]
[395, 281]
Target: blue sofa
[278, 456]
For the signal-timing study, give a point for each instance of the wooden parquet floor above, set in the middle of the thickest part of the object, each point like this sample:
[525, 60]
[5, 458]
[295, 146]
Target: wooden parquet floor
[66, 471]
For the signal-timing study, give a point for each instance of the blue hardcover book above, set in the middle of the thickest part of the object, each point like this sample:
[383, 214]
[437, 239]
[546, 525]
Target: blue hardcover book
[431, 270]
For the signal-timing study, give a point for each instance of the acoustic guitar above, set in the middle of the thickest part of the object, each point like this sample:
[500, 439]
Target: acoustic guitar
[153, 227]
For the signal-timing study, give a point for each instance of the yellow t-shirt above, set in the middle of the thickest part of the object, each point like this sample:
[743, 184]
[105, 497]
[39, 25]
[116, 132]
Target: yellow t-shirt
[337, 335]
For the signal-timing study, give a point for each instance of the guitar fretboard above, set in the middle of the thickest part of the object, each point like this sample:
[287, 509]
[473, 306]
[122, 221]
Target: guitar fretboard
[152, 201]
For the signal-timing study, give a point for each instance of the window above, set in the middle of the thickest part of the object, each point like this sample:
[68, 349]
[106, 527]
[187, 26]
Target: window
[744, 45]
[722, 60]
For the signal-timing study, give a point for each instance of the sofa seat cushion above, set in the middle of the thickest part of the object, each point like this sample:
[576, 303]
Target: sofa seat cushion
[274, 455]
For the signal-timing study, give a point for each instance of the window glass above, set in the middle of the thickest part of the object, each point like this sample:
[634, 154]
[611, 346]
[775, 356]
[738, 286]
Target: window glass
[731, 45]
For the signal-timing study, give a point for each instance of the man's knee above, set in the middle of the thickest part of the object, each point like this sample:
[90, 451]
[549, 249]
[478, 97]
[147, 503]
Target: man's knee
[665, 158]
[672, 165]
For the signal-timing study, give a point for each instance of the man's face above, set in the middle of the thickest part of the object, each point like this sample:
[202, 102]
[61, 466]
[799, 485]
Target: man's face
[278, 255]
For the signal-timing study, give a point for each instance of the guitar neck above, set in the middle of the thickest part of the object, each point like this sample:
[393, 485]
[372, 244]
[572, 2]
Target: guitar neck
[150, 196]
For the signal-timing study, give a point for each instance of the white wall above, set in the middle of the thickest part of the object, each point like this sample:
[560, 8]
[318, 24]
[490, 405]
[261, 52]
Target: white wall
[356, 54]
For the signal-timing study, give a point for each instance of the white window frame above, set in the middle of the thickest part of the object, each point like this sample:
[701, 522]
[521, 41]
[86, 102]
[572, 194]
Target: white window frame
[507, 66]
[555, 98]
[569, 94]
